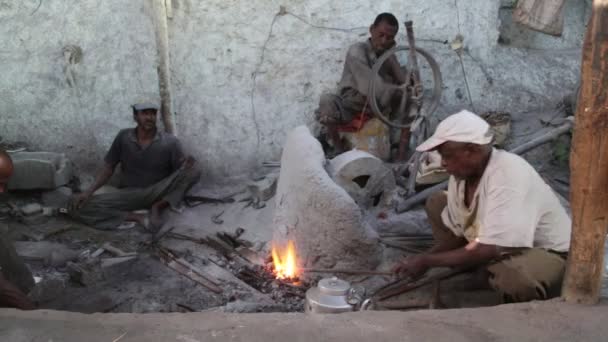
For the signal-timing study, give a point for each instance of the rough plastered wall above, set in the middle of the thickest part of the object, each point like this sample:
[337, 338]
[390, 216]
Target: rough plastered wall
[75, 107]
[243, 76]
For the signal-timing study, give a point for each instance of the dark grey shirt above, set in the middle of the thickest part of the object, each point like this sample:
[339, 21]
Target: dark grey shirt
[142, 167]
[357, 72]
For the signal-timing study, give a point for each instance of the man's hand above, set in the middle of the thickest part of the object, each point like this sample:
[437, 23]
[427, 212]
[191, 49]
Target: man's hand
[189, 162]
[396, 69]
[413, 266]
[77, 201]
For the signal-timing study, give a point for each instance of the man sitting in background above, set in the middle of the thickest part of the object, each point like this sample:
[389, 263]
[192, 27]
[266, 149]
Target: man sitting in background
[497, 212]
[15, 278]
[155, 175]
[352, 97]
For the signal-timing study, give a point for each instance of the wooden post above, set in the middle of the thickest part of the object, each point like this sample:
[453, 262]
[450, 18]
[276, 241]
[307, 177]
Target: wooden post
[589, 166]
[164, 71]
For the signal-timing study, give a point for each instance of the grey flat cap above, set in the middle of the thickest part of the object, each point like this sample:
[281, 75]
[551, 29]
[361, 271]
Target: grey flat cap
[143, 106]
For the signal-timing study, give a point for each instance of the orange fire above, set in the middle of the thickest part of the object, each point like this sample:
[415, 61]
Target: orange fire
[285, 263]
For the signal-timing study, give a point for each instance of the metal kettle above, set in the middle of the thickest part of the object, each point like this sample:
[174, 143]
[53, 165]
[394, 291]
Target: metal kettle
[332, 295]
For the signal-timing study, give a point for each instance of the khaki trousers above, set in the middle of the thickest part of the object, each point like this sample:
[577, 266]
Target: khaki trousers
[107, 211]
[340, 109]
[522, 275]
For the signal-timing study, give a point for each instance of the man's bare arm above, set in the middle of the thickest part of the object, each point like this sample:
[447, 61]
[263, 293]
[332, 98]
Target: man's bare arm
[448, 245]
[471, 254]
[395, 69]
[100, 180]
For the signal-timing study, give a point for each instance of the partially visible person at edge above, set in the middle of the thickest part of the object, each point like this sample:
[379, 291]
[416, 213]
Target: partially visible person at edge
[15, 278]
[497, 214]
[352, 96]
[155, 175]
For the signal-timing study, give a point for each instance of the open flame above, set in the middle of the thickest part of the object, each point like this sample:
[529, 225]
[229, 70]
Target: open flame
[285, 263]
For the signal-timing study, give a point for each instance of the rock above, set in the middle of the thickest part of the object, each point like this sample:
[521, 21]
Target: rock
[47, 253]
[31, 209]
[57, 198]
[39, 170]
[84, 274]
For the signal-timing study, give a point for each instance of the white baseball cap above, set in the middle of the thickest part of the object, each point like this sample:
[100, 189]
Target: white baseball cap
[144, 106]
[463, 126]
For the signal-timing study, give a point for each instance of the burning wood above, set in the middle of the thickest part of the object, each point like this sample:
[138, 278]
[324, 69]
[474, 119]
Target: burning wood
[285, 263]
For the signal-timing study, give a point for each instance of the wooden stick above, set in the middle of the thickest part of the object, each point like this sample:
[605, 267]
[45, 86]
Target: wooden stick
[543, 139]
[589, 167]
[346, 271]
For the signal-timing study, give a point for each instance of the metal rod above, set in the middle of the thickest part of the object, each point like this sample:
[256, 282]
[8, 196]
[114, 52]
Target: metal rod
[409, 286]
[346, 271]
[403, 248]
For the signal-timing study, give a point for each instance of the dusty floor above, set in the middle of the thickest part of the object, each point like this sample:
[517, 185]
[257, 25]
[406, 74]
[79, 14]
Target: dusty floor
[145, 285]
[548, 321]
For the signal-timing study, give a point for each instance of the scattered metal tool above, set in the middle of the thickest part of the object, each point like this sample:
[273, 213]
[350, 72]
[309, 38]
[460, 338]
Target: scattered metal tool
[193, 201]
[238, 232]
[258, 204]
[216, 218]
[116, 251]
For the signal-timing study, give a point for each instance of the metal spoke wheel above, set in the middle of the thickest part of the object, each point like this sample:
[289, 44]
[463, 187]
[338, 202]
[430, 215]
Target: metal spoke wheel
[427, 103]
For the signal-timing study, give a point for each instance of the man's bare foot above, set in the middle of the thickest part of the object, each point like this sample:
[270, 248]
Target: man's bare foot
[139, 218]
[156, 220]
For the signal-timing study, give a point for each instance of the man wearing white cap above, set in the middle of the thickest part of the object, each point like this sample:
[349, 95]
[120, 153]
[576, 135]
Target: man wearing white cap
[497, 212]
[155, 175]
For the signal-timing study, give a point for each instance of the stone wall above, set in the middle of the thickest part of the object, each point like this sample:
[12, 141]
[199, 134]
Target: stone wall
[242, 75]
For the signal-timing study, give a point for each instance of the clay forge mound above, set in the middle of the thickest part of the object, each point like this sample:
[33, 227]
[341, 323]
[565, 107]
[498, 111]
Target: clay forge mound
[324, 222]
